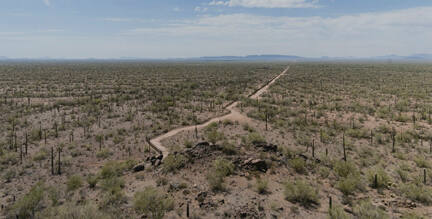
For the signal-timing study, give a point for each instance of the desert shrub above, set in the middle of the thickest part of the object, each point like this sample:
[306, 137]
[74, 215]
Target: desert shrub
[248, 128]
[212, 126]
[111, 169]
[383, 180]
[90, 211]
[298, 164]
[255, 138]
[417, 192]
[28, 205]
[9, 175]
[411, 215]
[104, 153]
[74, 182]
[343, 169]
[151, 203]
[42, 154]
[227, 122]
[366, 210]
[401, 117]
[223, 167]
[215, 181]
[422, 162]
[161, 181]
[324, 172]
[9, 158]
[173, 162]
[228, 148]
[337, 212]
[113, 184]
[92, 180]
[188, 144]
[111, 200]
[385, 129]
[358, 133]
[301, 192]
[403, 175]
[214, 136]
[350, 184]
[261, 185]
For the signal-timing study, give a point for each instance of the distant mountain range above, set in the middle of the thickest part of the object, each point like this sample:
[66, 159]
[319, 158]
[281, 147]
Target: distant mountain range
[414, 58]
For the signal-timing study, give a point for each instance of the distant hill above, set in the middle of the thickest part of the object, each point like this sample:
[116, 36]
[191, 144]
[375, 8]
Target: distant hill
[251, 58]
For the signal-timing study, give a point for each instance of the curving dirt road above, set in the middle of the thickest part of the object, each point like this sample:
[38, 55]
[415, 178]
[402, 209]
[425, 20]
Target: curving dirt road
[234, 115]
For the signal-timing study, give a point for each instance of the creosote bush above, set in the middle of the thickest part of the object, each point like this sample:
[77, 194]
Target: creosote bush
[366, 210]
[301, 192]
[417, 192]
[261, 185]
[173, 162]
[152, 203]
[221, 168]
[337, 212]
[29, 204]
[74, 182]
[299, 165]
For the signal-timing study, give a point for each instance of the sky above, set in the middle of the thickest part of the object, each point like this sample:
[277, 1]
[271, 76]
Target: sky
[194, 28]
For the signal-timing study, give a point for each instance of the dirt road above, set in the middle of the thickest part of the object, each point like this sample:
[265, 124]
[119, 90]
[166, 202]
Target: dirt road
[234, 115]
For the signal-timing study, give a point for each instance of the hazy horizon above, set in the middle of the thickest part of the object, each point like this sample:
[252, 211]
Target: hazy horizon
[183, 29]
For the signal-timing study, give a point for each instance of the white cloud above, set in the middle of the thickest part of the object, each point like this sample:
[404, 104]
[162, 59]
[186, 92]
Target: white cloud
[398, 31]
[176, 9]
[200, 9]
[267, 3]
[47, 2]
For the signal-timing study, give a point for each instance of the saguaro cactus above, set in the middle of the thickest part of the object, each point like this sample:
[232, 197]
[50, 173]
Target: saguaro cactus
[344, 150]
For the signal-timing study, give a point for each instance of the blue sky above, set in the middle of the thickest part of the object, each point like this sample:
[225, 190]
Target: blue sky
[192, 28]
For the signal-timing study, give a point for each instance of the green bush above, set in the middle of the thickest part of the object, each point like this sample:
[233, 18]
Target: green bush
[261, 185]
[214, 136]
[42, 154]
[92, 180]
[350, 184]
[358, 133]
[173, 162]
[104, 153]
[298, 164]
[337, 212]
[188, 144]
[343, 169]
[74, 182]
[420, 193]
[113, 184]
[228, 148]
[255, 138]
[223, 167]
[111, 169]
[9, 175]
[411, 215]
[302, 193]
[151, 203]
[215, 181]
[90, 211]
[9, 158]
[29, 203]
[366, 210]
[422, 162]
